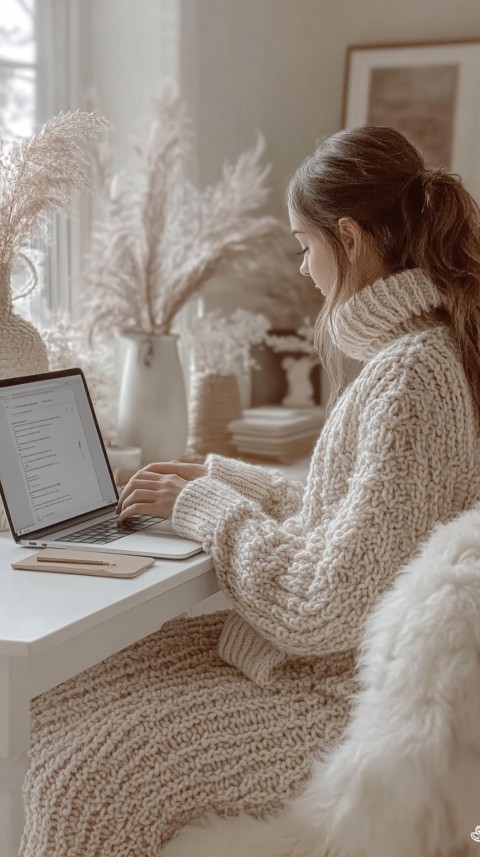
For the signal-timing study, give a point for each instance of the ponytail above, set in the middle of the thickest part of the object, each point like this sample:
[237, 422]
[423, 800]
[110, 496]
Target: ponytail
[445, 243]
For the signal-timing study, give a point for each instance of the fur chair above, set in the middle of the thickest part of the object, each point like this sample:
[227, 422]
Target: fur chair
[405, 780]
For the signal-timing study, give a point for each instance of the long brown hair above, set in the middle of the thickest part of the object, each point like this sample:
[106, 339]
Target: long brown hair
[415, 217]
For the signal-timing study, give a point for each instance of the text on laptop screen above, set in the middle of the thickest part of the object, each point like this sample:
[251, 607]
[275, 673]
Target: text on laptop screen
[52, 465]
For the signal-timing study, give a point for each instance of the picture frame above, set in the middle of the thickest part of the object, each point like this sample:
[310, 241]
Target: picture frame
[426, 90]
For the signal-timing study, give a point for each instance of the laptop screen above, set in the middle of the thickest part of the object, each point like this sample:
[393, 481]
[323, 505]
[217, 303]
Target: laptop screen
[52, 463]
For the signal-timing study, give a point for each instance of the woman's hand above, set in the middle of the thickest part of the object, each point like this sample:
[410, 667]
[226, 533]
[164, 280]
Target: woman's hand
[154, 489]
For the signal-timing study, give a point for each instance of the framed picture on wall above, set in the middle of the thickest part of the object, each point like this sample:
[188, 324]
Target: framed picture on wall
[428, 91]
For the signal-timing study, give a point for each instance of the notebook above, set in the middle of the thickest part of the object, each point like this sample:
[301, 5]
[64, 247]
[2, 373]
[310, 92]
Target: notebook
[55, 478]
[89, 563]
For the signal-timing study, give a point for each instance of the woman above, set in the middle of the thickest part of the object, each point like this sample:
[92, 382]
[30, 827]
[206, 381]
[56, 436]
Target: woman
[225, 712]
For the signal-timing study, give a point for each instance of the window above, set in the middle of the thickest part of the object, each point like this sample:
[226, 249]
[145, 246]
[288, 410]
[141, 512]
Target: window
[17, 68]
[52, 54]
[18, 119]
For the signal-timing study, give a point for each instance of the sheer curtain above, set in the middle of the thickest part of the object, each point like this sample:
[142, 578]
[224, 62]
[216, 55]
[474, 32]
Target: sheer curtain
[79, 53]
[63, 46]
[17, 68]
[18, 94]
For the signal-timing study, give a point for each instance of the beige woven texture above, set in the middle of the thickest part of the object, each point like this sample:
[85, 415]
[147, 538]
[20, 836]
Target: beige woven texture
[132, 749]
[22, 350]
[214, 403]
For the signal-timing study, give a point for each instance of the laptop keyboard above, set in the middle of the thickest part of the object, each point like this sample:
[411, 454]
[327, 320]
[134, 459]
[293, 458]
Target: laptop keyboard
[108, 531]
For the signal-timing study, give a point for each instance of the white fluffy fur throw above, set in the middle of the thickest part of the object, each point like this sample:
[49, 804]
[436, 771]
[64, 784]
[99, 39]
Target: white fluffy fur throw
[405, 781]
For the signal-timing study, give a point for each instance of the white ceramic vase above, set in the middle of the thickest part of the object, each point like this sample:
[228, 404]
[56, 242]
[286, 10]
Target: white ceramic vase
[152, 410]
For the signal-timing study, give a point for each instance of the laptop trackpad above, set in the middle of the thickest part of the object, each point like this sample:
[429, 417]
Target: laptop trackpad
[159, 540]
[163, 527]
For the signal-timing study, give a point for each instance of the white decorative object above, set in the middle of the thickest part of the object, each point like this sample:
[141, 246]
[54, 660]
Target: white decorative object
[298, 370]
[152, 411]
[300, 391]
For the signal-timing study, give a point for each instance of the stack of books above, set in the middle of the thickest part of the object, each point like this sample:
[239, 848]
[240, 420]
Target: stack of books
[276, 433]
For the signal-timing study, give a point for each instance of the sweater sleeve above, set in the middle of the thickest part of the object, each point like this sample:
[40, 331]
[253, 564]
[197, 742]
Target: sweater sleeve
[278, 496]
[308, 591]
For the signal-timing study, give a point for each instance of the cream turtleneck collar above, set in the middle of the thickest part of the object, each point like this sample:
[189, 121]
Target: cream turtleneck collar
[383, 311]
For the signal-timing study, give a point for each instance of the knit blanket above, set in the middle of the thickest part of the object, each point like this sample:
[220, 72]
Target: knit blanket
[126, 753]
[405, 780]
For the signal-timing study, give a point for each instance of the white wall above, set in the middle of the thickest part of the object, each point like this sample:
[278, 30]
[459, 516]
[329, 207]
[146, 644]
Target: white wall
[128, 60]
[273, 65]
[278, 65]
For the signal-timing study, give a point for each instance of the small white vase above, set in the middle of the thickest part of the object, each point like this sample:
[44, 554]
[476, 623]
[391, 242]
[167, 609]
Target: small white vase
[152, 410]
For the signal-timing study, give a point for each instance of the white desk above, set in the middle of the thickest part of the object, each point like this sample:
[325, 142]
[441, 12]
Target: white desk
[53, 626]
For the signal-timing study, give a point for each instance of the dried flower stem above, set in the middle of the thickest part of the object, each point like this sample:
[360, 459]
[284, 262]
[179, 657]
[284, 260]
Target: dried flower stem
[163, 239]
[40, 174]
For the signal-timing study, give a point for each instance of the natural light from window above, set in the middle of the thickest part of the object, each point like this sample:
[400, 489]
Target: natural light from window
[18, 113]
[17, 68]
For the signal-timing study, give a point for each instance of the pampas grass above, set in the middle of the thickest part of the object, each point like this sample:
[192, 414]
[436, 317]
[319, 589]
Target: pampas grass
[162, 238]
[39, 175]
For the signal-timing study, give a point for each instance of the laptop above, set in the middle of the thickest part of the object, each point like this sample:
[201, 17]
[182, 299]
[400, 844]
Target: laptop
[55, 478]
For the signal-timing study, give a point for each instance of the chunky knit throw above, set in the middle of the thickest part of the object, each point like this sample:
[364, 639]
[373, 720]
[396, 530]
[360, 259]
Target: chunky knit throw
[227, 711]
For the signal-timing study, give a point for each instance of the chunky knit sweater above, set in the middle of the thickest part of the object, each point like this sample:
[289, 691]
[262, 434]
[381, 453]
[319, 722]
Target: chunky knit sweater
[399, 452]
[225, 712]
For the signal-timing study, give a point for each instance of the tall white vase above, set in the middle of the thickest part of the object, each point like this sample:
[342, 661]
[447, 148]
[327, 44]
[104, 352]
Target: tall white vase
[152, 410]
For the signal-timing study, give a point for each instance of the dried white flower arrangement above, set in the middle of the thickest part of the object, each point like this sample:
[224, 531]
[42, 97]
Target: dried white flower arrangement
[162, 239]
[37, 175]
[222, 344]
[40, 174]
